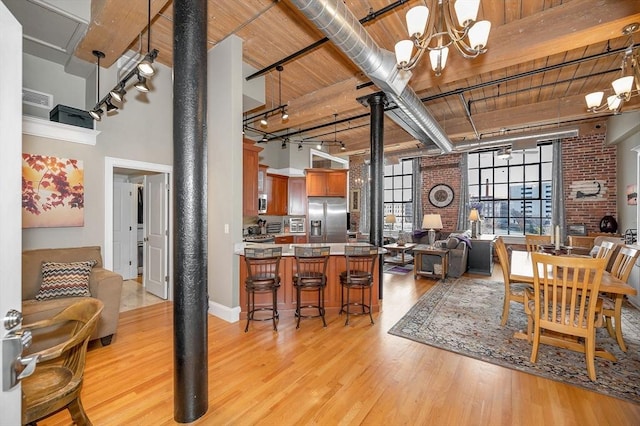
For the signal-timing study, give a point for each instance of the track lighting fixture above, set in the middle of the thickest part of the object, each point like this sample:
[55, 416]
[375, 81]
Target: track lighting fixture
[342, 147]
[300, 146]
[141, 85]
[264, 139]
[263, 121]
[142, 71]
[285, 114]
[284, 144]
[319, 146]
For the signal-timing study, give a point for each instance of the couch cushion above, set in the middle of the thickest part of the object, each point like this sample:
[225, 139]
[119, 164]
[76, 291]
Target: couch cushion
[65, 279]
[452, 242]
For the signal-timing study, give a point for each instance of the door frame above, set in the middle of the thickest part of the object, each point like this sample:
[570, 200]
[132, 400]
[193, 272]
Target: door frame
[109, 164]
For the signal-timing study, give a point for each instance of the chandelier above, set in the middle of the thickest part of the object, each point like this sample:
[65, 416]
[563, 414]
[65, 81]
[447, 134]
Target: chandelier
[622, 86]
[433, 29]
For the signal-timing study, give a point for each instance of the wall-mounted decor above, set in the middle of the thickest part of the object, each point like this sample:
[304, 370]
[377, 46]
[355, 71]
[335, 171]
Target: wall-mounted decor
[588, 190]
[354, 201]
[632, 194]
[576, 229]
[441, 195]
[52, 192]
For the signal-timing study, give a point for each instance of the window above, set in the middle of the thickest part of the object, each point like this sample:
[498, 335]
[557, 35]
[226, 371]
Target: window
[398, 189]
[513, 196]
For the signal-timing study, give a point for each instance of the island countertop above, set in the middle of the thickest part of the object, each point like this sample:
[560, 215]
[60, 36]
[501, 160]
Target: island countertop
[335, 249]
[287, 293]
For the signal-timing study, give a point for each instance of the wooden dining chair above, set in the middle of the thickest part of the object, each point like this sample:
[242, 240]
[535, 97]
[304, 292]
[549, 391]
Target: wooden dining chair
[563, 303]
[57, 380]
[513, 292]
[612, 304]
[534, 242]
[606, 250]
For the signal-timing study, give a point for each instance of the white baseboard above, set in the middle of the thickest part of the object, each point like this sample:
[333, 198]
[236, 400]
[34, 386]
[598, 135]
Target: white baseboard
[224, 312]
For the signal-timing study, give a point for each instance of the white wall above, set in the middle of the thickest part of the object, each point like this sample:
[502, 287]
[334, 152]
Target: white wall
[142, 130]
[49, 77]
[224, 174]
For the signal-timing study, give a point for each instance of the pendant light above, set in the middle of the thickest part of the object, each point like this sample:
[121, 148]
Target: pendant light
[96, 113]
[145, 68]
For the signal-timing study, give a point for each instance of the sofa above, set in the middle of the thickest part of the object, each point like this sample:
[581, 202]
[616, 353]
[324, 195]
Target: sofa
[103, 284]
[458, 250]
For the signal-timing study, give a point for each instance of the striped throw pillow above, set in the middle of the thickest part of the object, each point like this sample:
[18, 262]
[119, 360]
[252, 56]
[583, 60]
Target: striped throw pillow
[65, 279]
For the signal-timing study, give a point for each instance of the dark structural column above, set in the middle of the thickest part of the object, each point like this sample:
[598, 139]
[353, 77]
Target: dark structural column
[190, 202]
[377, 103]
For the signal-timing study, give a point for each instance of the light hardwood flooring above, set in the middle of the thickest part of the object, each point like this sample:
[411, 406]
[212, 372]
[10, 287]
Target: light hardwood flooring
[337, 375]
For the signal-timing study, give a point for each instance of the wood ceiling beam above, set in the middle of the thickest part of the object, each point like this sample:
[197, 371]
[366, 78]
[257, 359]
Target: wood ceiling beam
[568, 26]
[130, 18]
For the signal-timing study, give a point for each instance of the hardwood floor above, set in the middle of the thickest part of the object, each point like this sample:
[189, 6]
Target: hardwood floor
[358, 374]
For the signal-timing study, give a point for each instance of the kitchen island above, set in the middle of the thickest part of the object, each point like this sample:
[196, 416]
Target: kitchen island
[287, 293]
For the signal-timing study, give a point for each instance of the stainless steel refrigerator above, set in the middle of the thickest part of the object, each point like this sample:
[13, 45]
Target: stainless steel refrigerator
[327, 220]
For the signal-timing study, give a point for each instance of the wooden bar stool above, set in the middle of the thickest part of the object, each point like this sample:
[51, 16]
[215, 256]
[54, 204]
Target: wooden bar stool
[263, 266]
[361, 261]
[311, 275]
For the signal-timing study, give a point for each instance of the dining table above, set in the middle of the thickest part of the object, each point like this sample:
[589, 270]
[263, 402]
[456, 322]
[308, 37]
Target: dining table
[522, 271]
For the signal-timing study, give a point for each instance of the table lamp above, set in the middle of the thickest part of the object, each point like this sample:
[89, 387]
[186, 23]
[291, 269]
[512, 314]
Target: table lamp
[474, 217]
[432, 222]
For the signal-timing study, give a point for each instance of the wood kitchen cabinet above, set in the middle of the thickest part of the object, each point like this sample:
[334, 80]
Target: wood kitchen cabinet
[250, 154]
[297, 196]
[276, 188]
[326, 182]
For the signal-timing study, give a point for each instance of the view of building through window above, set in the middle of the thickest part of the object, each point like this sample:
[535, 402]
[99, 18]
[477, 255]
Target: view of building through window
[513, 196]
[398, 202]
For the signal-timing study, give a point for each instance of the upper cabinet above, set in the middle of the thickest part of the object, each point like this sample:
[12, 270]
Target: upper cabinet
[297, 196]
[262, 178]
[276, 188]
[326, 182]
[250, 178]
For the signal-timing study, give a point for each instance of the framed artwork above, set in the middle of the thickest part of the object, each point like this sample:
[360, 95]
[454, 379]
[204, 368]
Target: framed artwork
[441, 195]
[52, 192]
[354, 201]
[576, 229]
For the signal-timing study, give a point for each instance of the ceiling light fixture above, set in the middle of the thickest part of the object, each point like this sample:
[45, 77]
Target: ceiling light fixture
[622, 86]
[118, 92]
[285, 115]
[436, 31]
[145, 67]
[504, 153]
[96, 112]
[263, 120]
[141, 85]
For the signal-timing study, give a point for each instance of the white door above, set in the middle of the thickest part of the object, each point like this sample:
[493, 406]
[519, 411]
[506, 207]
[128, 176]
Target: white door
[10, 187]
[156, 241]
[125, 228]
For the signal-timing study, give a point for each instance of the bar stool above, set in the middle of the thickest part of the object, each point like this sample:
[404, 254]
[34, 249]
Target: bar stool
[311, 275]
[361, 261]
[263, 266]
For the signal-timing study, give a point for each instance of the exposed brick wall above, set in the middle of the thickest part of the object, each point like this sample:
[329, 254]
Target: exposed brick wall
[588, 158]
[584, 158]
[357, 168]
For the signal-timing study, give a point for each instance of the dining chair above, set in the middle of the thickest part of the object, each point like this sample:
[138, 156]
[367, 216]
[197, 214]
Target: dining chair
[534, 242]
[513, 292]
[57, 380]
[606, 250]
[263, 276]
[612, 304]
[562, 303]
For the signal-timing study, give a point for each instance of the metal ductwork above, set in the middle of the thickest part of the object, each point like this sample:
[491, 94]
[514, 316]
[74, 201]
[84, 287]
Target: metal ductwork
[517, 141]
[336, 21]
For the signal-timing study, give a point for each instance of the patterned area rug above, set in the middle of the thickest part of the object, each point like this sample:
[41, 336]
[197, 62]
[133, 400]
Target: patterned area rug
[463, 316]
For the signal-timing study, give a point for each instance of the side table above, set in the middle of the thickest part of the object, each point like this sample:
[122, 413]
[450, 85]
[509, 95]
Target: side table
[402, 250]
[420, 268]
[481, 255]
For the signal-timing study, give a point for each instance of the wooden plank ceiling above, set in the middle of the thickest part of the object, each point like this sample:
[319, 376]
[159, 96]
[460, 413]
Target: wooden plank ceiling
[530, 78]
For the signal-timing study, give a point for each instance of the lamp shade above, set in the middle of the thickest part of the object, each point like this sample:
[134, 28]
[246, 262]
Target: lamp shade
[466, 10]
[431, 221]
[623, 85]
[479, 35]
[474, 215]
[390, 218]
[403, 49]
[613, 102]
[594, 99]
[417, 20]
[438, 58]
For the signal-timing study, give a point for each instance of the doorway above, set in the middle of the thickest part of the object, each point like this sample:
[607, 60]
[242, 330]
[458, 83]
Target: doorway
[158, 277]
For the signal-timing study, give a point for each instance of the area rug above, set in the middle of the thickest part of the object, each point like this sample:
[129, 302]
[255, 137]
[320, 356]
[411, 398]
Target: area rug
[463, 316]
[397, 269]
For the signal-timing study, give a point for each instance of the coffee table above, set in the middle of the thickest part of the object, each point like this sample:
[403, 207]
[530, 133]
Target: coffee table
[395, 249]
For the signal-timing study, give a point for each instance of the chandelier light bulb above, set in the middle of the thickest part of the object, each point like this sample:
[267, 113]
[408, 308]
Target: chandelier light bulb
[404, 50]
[623, 86]
[438, 59]
[613, 102]
[417, 18]
[466, 11]
[479, 35]
[594, 99]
